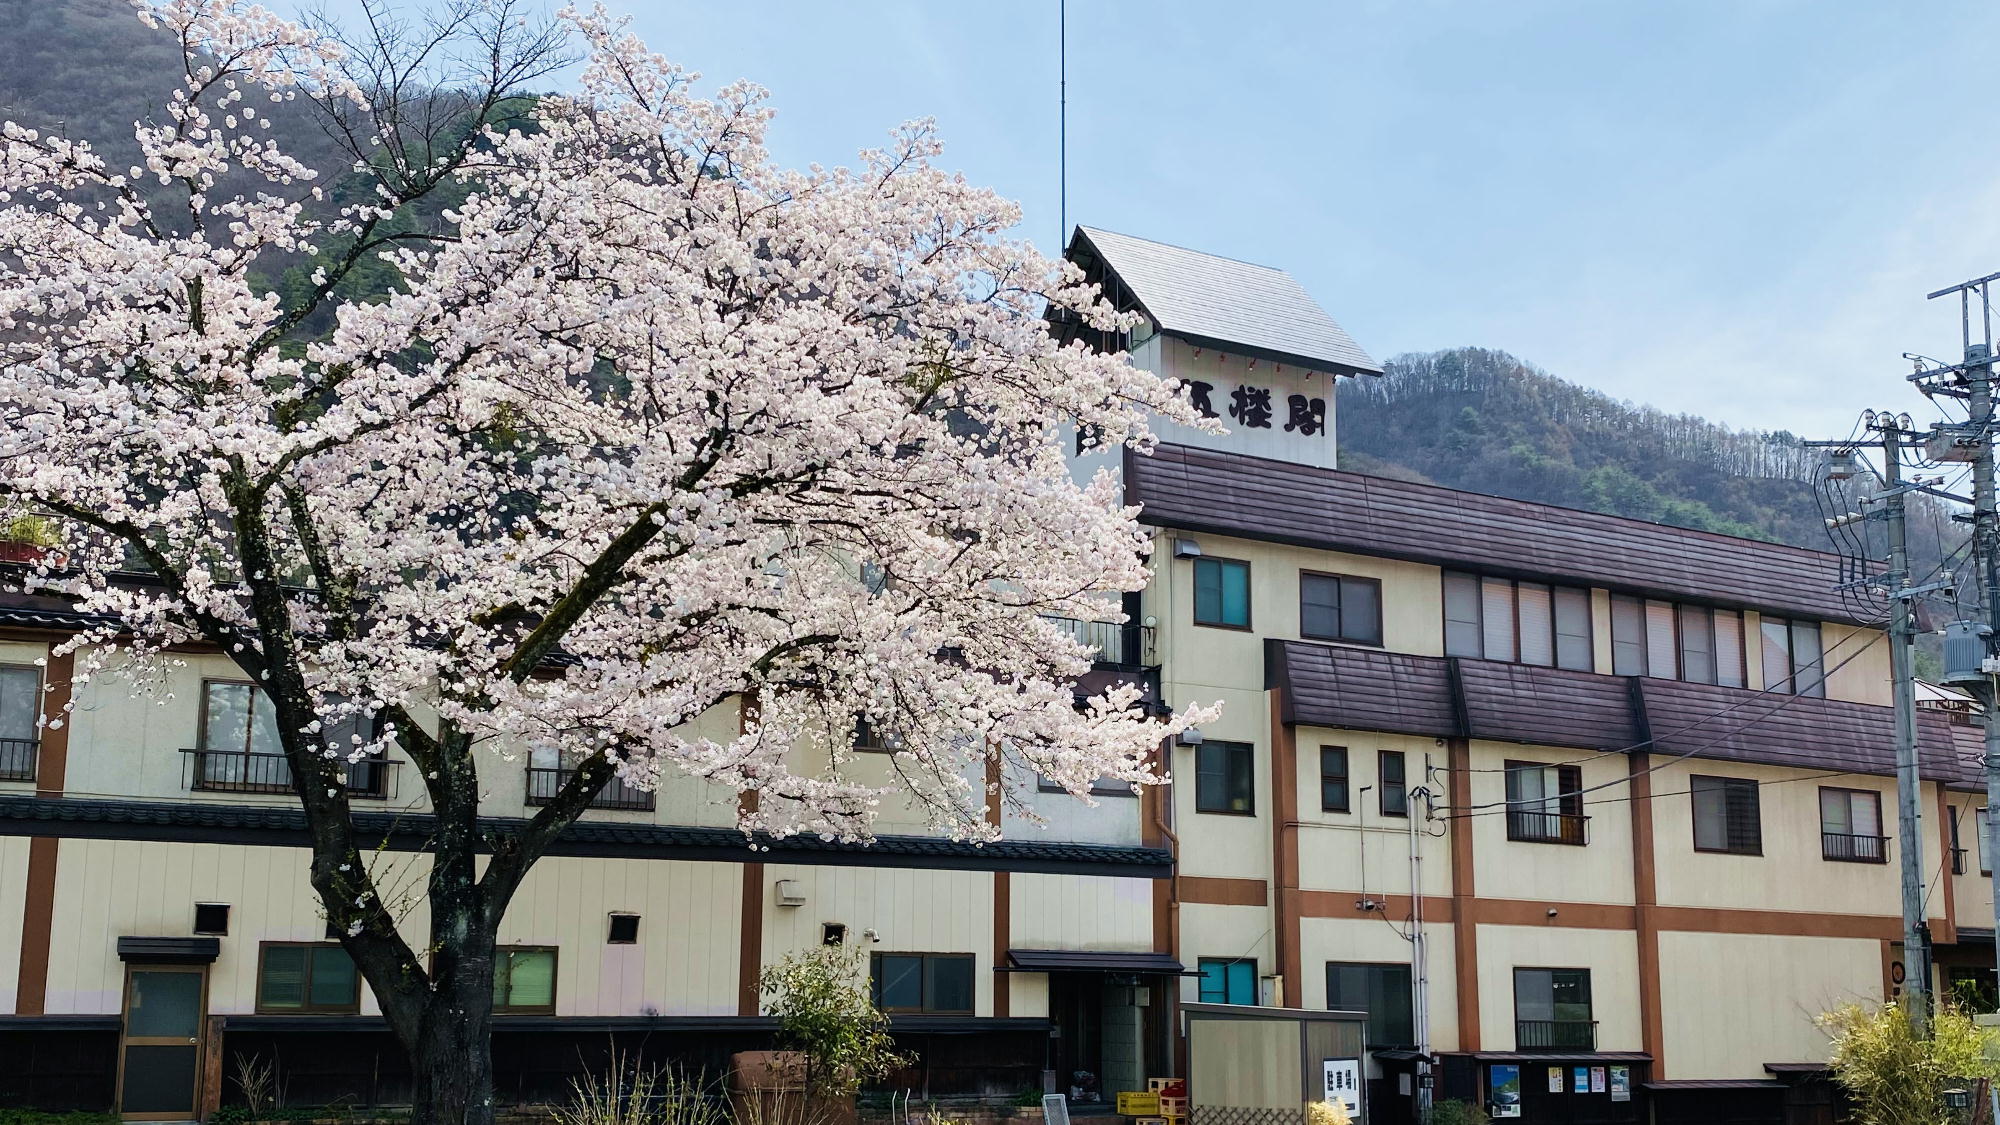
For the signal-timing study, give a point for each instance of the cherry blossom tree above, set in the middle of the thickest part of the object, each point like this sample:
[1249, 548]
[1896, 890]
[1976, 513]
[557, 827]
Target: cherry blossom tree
[629, 423]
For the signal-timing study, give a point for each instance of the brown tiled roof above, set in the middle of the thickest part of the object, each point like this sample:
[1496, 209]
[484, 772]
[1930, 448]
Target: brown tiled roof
[1257, 498]
[1445, 697]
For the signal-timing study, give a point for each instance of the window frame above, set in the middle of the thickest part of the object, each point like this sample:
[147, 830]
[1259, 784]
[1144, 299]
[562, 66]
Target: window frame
[1791, 627]
[36, 696]
[924, 981]
[1227, 963]
[1678, 613]
[1568, 799]
[555, 967]
[1382, 758]
[1722, 788]
[306, 1006]
[1557, 592]
[1248, 756]
[1824, 831]
[1589, 988]
[1340, 582]
[1194, 595]
[1346, 780]
[1408, 1014]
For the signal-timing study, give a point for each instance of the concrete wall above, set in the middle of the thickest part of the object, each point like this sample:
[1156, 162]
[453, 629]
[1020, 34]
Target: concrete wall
[1738, 1001]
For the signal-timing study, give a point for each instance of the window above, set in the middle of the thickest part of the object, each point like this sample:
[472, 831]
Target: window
[1226, 980]
[1528, 622]
[1223, 781]
[1850, 826]
[923, 982]
[1222, 593]
[305, 977]
[239, 750]
[239, 741]
[1985, 857]
[1335, 607]
[1545, 803]
[1793, 658]
[1552, 1010]
[1389, 779]
[624, 930]
[20, 706]
[211, 917]
[524, 979]
[1676, 641]
[1333, 779]
[1726, 815]
[1383, 991]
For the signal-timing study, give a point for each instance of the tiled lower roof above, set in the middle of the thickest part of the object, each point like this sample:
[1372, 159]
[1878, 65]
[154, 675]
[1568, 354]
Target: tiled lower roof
[1451, 697]
[203, 822]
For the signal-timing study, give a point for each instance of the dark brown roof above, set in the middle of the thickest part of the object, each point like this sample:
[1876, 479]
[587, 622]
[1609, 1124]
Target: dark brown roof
[1445, 697]
[1257, 498]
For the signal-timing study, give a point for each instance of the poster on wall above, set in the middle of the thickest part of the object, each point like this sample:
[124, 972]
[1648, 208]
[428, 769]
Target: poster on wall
[1581, 1085]
[1555, 1080]
[1621, 1083]
[1596, 1079]
[1343, 1081]
[1505, 1083]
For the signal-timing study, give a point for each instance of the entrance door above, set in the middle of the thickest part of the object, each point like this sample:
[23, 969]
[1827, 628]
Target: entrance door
[159, 1059]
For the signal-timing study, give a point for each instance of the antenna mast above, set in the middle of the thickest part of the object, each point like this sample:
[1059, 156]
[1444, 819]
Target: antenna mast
[1062, 122]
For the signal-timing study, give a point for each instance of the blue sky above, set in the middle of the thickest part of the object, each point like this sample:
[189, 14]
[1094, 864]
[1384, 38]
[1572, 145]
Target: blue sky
[1731, 208]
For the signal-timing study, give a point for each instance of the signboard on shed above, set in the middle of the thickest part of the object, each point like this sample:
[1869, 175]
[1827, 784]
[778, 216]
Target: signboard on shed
[1343, 1082]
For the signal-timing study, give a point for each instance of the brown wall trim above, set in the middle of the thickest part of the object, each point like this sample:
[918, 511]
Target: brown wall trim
[1347, 904]
[1003, 940]
[1645, 892]
[1285, 847]
[52, 762]
[1946, 929]
[1465, 935]
[1778, 923]
[750, 940]
[1214, 891]
[37, 924]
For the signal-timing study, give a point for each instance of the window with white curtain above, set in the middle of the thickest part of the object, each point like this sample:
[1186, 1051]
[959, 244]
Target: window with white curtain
[1528, 622]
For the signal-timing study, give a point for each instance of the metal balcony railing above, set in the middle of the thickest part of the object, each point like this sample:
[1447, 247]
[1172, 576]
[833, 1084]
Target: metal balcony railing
[17, 758]
[1112, 643]
[235, 771]
[1537, 827]
[1958, 861]
[544, 782]
[1555, 1035]
[1849, 848]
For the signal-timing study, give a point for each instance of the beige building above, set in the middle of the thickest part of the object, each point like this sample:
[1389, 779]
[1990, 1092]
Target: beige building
[1589, 815]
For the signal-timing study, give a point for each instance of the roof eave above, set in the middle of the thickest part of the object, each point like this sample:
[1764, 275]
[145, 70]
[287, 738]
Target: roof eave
[1315, 363]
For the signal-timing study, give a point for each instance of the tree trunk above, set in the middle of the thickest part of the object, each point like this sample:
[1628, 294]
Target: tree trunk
[453, 1054]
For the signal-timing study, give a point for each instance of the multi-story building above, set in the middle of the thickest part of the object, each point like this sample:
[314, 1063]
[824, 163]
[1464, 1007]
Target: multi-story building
[1588, 815]
[1588, 812]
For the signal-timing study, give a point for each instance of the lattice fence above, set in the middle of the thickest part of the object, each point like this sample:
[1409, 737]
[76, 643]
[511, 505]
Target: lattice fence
[1245, 1115]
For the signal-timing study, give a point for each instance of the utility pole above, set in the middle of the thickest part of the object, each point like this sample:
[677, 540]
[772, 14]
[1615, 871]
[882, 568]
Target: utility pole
[1894, 430]
[1902, 680]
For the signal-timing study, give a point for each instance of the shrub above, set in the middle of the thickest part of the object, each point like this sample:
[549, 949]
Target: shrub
[1455, 1112]
[820, 998]
[631, 1093]
[1894, 1075]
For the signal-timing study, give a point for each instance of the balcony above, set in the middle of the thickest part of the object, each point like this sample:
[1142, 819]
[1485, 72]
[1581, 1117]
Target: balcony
[544, 782]
[1555, 1035]
[17, 758]
[1548, 827]
[1848, 848]
[1123, 646]
[235, 771]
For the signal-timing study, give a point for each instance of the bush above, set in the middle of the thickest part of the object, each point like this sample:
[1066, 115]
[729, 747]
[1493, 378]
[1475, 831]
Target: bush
[1895, 1076]
[1458, 1113]
[824, 1012]
[42, 1117]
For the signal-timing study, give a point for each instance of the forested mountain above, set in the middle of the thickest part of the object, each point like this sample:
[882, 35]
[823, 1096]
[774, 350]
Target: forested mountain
[1487, 422]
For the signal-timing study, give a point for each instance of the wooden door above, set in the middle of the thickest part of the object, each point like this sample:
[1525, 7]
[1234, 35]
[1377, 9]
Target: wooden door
[159, 1053]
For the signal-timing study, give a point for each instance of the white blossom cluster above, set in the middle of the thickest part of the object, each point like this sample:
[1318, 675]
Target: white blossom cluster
[617, 448]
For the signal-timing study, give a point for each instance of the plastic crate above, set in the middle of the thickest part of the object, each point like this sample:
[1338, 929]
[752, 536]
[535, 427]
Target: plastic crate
[1138, 1103]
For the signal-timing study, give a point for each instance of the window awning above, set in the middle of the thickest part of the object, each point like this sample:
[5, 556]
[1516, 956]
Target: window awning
[1669, 1085]
[169, 950]
[1090, 961]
